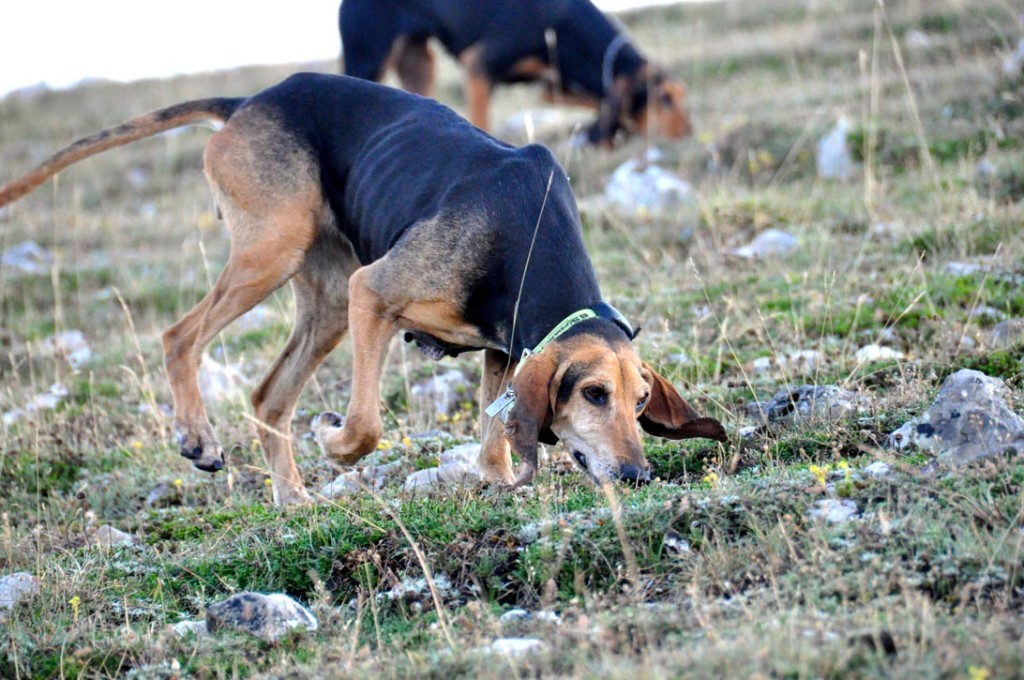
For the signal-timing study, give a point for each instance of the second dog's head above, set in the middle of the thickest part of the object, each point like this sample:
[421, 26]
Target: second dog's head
[591, 390]
[647, 101]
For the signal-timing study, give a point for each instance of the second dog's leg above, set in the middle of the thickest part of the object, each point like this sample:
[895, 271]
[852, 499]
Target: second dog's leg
[371, 326]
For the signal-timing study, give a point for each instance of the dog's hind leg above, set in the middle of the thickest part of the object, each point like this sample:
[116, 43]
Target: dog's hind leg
[321, 319]
[269, 194]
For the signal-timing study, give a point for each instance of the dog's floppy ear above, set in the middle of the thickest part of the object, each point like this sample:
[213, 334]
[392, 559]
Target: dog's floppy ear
[609, 119]
[531, 415]
[669, 416]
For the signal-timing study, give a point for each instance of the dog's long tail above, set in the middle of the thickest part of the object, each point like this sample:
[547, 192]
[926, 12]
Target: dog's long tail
[219, 109]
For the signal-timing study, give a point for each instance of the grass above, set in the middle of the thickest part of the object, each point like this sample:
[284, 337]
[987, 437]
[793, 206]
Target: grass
[715, 569]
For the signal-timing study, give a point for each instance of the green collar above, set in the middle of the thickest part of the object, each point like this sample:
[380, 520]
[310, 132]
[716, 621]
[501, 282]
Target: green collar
[501, 406]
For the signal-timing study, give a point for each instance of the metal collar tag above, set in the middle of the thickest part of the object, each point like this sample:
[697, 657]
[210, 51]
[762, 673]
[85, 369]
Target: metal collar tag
[501, 406]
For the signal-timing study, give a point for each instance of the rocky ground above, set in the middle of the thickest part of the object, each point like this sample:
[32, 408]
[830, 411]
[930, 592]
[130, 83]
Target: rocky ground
[831, 266]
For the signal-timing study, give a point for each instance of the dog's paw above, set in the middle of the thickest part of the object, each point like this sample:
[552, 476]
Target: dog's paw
[327, 428]
[200, 446]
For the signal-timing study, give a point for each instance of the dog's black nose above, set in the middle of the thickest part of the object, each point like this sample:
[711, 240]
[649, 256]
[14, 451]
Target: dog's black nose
[634, 473]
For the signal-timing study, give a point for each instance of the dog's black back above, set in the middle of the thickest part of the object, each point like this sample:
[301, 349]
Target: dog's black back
[393, 162]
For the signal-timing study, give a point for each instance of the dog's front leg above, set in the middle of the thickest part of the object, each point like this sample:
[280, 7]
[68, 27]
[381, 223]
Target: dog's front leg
[495, 460]
[347, 440]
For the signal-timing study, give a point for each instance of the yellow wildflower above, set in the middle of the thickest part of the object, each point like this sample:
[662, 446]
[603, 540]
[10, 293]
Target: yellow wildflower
[75, 602]
[977, 673]
[820, 473]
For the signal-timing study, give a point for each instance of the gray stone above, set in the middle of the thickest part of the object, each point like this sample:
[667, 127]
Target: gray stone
[804, 402]
[969, 420]
[768, 243]
[269, 617]
[14, 588]
[1007, 333]
[834, 510]
[441, 394]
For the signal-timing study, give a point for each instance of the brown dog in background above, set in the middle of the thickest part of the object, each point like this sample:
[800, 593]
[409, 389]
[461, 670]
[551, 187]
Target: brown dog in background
[570, 44]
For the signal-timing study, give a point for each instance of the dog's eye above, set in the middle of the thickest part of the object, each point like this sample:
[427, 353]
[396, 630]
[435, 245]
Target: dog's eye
[640, 405]
[595, 395]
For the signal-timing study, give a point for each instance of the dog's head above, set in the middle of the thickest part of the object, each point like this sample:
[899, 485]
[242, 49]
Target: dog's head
[648, 101]
[591, 390]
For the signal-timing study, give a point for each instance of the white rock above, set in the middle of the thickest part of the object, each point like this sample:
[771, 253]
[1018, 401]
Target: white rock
[834, 160]
[834, 510]
[514, 646]
[877, 470]
[676, 544]
[640, 186]
[28, 257]
[270, 617]
[14, 588]
[918, 39]
[768, 243]
[875, 352]
[514, 615]
[1007, 333]
[806, 401]
[108, 536]
[255, 319]
[1014, 62]
[372, 476]
[541, 125]
[548, 617]
[441, 394]
[987, 313]
[71, 345]
[47, 401]
[184, 628]
[459, 465]
[963, 268]
[218, 382]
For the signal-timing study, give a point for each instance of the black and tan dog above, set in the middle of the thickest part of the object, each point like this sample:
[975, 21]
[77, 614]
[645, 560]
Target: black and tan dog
[584, 58]
[389, 212]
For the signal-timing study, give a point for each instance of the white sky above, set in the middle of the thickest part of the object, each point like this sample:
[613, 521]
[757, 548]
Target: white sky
[60, 42]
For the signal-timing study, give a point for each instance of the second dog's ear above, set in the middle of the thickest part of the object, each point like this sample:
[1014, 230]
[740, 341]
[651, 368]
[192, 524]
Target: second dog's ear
[532, 412]
[668, 415]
